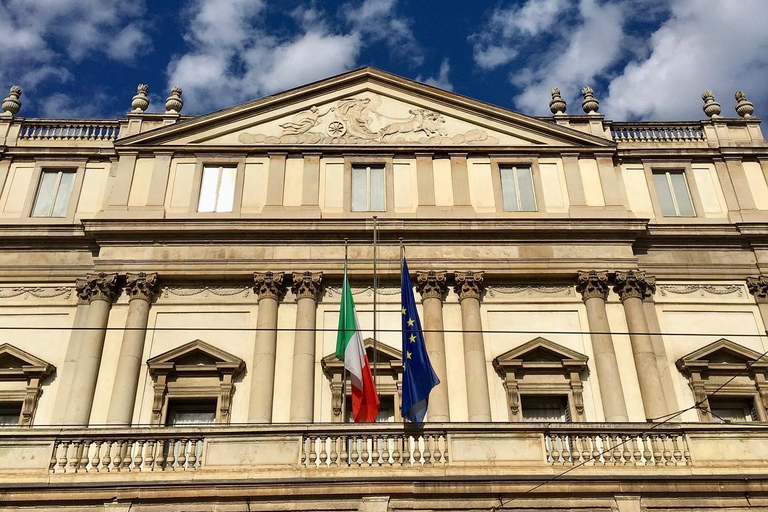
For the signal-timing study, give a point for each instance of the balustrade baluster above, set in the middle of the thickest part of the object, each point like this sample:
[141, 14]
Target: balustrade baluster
[149, 458]
[437, 455]
[97, 456]
[64, 456]
[192, 459]
[312, 452]
[127, 455]
[606, 449]
[323, 457]
[355, 455]
[344, 458]
[170, 460]
[585, 451]
[334, 454]
[159, 455]
[74, 460]
[54, 457]
[554, 439]
[567, 450]
[139, 459]
[427, 450]
[364, 454]
[636, 453]
[397, 452]
[656, 451]
[626, 449]
[181, 459]
[676, 450]
[616, 449]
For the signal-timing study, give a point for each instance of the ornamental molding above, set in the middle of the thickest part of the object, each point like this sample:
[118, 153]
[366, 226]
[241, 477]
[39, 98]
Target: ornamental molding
[205, 291]
[101, 286]
[700, 289]
[592, 284]
[331, 291]
[65, 292]
[469, 284]
[633, 284]
[528, 289]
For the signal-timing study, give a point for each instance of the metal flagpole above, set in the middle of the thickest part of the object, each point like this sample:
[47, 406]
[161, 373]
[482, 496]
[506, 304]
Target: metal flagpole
[375, 289]
[344, 366]
[402, 254]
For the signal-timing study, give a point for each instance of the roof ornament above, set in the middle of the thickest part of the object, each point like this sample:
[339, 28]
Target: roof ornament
[140, 102]
[589, 103]
[557, 106]
[12, 104]
[174, 102]
[744, 107]
[711, 107]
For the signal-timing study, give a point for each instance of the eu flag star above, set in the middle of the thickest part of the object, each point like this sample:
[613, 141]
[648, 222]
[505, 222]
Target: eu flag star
[408, 355]
[403, 310]
[410, 322]
[413, 338]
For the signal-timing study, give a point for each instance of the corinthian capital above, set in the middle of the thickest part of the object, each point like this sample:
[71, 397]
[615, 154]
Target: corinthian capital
[469, 285]
[268, 285]
[758, 286]
[307, 285]
[592, 284]
[141, 286]
[432, 284]
[634, 284]
[99, 286]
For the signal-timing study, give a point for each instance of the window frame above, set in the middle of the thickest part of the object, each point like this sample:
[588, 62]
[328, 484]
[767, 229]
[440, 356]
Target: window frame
[54, 199]
[389, 197]
[529, 161]
[76, 166]
[203, 161]
[685, 166]
[543, 394]
[516, 188]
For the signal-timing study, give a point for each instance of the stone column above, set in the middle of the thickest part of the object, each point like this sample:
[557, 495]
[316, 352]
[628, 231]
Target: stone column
[141, 288]
[269, 287]
[101, 290]
[758, 287]
[632, 286]
[593, 286]
[433, 286]
[469, 287]
[306, 287]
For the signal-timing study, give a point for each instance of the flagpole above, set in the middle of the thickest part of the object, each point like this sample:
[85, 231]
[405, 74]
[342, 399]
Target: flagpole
[402, 252]
[375, 288]
[344, 366]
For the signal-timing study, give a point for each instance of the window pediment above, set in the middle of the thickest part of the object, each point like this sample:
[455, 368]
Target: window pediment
[196, 357]
[540, 353]
[722, 355]
[22, 364]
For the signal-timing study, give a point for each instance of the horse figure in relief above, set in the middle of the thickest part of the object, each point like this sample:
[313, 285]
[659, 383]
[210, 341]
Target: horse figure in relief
[421, 120]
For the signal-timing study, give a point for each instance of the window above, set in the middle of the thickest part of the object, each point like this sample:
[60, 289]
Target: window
[217, 190]
[386, 409]
[517, 189]
[732, 409]
[672, 191]
[368, 188]
[190, 412]
[545, 408]
[10, 413]
[53, 194]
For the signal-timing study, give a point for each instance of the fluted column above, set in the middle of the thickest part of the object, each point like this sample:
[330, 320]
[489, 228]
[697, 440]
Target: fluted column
[269, 287]
[101, 289]
[306, 287]
[632, 286]
[433, 286]
[758, 287]
[593, 286]
[469, 287]
[141, 288]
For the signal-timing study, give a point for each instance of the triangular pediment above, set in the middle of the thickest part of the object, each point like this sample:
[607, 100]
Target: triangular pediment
[540, 352]
[365, 107]
[722, 353]
[14, 361]
[195, 355]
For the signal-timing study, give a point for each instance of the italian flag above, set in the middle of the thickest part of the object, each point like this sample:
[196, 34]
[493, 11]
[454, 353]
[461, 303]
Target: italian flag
[350, 349]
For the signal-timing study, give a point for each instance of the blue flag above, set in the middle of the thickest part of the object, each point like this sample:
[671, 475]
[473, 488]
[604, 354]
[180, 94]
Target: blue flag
[418, 376]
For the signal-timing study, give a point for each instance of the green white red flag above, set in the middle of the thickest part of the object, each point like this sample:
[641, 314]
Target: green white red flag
[350, 349]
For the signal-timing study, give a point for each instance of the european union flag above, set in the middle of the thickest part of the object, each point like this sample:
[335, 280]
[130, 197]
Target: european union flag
[418, 376]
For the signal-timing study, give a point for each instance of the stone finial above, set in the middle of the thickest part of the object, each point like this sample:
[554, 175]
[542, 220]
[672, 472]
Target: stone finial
[140, 102]
[633, 284]
[12, 104]
[269, 285]
[557, 105]
[589, 103]
[101, 286]
[469, 285]
[743, 107]
[711, 107]
[174, 102]
[758, 286]
[141, 286]
[432, 284]
[592, 284]
[307, 285]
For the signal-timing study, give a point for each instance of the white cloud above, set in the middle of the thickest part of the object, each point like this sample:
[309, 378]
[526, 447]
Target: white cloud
[60, 105]
[441, 80]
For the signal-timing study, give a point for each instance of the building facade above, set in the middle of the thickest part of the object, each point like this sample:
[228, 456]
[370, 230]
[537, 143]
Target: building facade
[594, 296]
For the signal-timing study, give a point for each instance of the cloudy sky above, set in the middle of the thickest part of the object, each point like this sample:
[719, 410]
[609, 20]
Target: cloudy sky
[646, 59]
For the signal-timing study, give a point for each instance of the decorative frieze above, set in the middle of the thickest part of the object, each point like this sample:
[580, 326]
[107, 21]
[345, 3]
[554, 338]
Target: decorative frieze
[307, 285]
[528, 289]
[432, 284]
[469, 284]
[141, 286]
[269, 285]
[64, 292]
[592, 284]
[688, 289]
[633, 284]
[219, 291]
[101, 286]
[758, 286]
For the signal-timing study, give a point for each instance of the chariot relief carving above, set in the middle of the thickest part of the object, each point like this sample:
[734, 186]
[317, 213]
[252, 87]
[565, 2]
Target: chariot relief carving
[362, 120]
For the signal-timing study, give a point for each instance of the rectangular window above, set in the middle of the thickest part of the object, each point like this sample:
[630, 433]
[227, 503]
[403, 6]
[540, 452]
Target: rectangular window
[674, 197]
[517, 189]
[217, 190]
[730, 409]
[191, 412]
[53, 194]
[10, 414]
[545, 408]
[369, 188]
[386, 409]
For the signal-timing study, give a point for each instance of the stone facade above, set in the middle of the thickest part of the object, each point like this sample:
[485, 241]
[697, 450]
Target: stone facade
[593, 295]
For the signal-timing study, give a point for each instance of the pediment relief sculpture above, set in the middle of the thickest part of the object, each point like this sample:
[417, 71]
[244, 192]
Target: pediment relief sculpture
[368, 118]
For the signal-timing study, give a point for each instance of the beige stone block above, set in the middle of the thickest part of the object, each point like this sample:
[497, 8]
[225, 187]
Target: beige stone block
[504, 450]
[705, 182]
[20, 455]
[757, 184]
[590, 177]
[726, 448]
[254, 187]
[553, 192]
[637, 191]
[481, 185]
[294, 177]
[441, 168]
[181, 193]
[20, 181]
[334, 185]
[92, 192]
[142, 176]
[236, 453]
[404, 177]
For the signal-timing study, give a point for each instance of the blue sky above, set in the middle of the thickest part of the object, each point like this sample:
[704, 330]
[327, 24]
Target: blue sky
[646, 59]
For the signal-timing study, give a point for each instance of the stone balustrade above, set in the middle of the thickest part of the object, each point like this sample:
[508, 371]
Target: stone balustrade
[657, 132]
[54, 130]
[614, 448]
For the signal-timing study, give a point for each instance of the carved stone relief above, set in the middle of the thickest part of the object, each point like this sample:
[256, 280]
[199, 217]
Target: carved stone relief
[361, 120]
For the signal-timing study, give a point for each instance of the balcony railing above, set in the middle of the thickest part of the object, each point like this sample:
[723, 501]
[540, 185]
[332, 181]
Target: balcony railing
[657, 132]
[55, 130]
[332, 448]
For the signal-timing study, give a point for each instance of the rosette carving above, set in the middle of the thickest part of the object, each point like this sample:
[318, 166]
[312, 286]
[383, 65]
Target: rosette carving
[432, 284]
